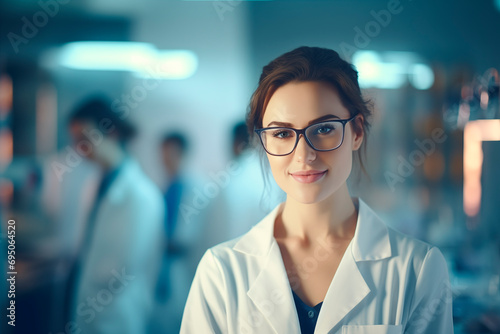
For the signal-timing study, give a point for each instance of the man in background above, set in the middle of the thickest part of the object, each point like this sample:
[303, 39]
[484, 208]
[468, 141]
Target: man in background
[113, 279]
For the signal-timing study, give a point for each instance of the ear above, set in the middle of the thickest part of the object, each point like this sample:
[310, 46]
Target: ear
[357, 132]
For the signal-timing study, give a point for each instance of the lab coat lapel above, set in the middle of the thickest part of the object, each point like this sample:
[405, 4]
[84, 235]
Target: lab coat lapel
[348, 287]
[272, 295]
[270, 291]
[116, 194]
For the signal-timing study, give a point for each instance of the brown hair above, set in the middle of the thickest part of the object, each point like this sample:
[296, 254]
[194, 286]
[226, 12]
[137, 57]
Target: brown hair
[98, 108]
[311, 64]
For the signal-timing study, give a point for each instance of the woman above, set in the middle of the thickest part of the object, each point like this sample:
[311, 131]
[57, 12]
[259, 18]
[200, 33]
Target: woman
[322, 261]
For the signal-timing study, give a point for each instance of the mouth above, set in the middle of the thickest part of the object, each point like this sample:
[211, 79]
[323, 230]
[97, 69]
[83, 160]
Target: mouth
[308, 176]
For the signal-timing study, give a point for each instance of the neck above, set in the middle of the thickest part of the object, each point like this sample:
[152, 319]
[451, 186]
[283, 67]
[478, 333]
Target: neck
[333, 218]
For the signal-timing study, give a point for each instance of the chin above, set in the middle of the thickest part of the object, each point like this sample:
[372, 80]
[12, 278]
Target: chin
[314, 195]
[307, 197]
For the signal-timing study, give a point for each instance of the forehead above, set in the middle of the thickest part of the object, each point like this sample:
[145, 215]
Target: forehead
[300, 102]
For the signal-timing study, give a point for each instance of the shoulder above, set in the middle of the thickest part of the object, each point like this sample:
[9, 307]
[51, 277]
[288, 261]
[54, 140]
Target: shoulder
[415, 252]
[217, 266]
[224, 252]
[374, 239]
[229, 257]
[135, 192]
[135, 178]
[406, 244]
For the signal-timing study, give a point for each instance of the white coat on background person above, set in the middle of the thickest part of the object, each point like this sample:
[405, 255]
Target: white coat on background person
[120, 269]
[386, 282]
[247, 199]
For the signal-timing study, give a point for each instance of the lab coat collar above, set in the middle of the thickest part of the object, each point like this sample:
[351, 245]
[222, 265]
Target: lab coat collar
[271, 292]
[370, 241]
[129, 169]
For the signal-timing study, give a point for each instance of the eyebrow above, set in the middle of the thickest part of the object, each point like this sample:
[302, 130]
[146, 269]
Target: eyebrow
[289, 125]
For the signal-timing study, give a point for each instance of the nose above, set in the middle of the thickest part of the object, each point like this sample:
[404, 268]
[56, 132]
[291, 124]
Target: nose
[303, 152]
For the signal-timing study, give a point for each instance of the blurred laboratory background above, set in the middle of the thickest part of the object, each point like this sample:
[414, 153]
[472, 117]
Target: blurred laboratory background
[112, 214]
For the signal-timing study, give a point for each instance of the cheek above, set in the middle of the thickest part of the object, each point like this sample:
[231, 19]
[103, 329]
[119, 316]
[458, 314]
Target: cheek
[340, 163]
[278, 169]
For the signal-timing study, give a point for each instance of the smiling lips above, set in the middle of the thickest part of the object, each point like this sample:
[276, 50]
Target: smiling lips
[308, 176]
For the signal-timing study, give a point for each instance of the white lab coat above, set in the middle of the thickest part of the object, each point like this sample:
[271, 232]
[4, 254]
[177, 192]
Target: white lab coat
[116, 286]
[386, 283]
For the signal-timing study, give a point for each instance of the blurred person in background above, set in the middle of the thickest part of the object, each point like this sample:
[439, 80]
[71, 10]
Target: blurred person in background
[112, 283]
[260, 195]
[173, 150]
[186, 227]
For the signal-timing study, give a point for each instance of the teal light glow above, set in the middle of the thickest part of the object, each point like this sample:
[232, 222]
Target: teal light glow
[391, 70]
[369, 66]
[140, 58]
[421, 76]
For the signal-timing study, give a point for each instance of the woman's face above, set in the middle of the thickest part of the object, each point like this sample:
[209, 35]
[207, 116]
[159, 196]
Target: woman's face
[296, 105]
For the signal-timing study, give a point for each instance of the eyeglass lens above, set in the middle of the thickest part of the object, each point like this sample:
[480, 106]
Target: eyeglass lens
[322, 136]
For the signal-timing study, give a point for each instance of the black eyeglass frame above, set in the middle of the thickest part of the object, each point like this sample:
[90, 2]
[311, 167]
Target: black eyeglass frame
[302, 132]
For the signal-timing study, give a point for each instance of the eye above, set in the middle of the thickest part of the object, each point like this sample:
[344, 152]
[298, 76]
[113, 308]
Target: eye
[282, 134]
[324, 129]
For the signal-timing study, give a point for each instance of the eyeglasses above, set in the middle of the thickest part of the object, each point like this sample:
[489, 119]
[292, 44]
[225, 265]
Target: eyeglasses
[323, 136]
